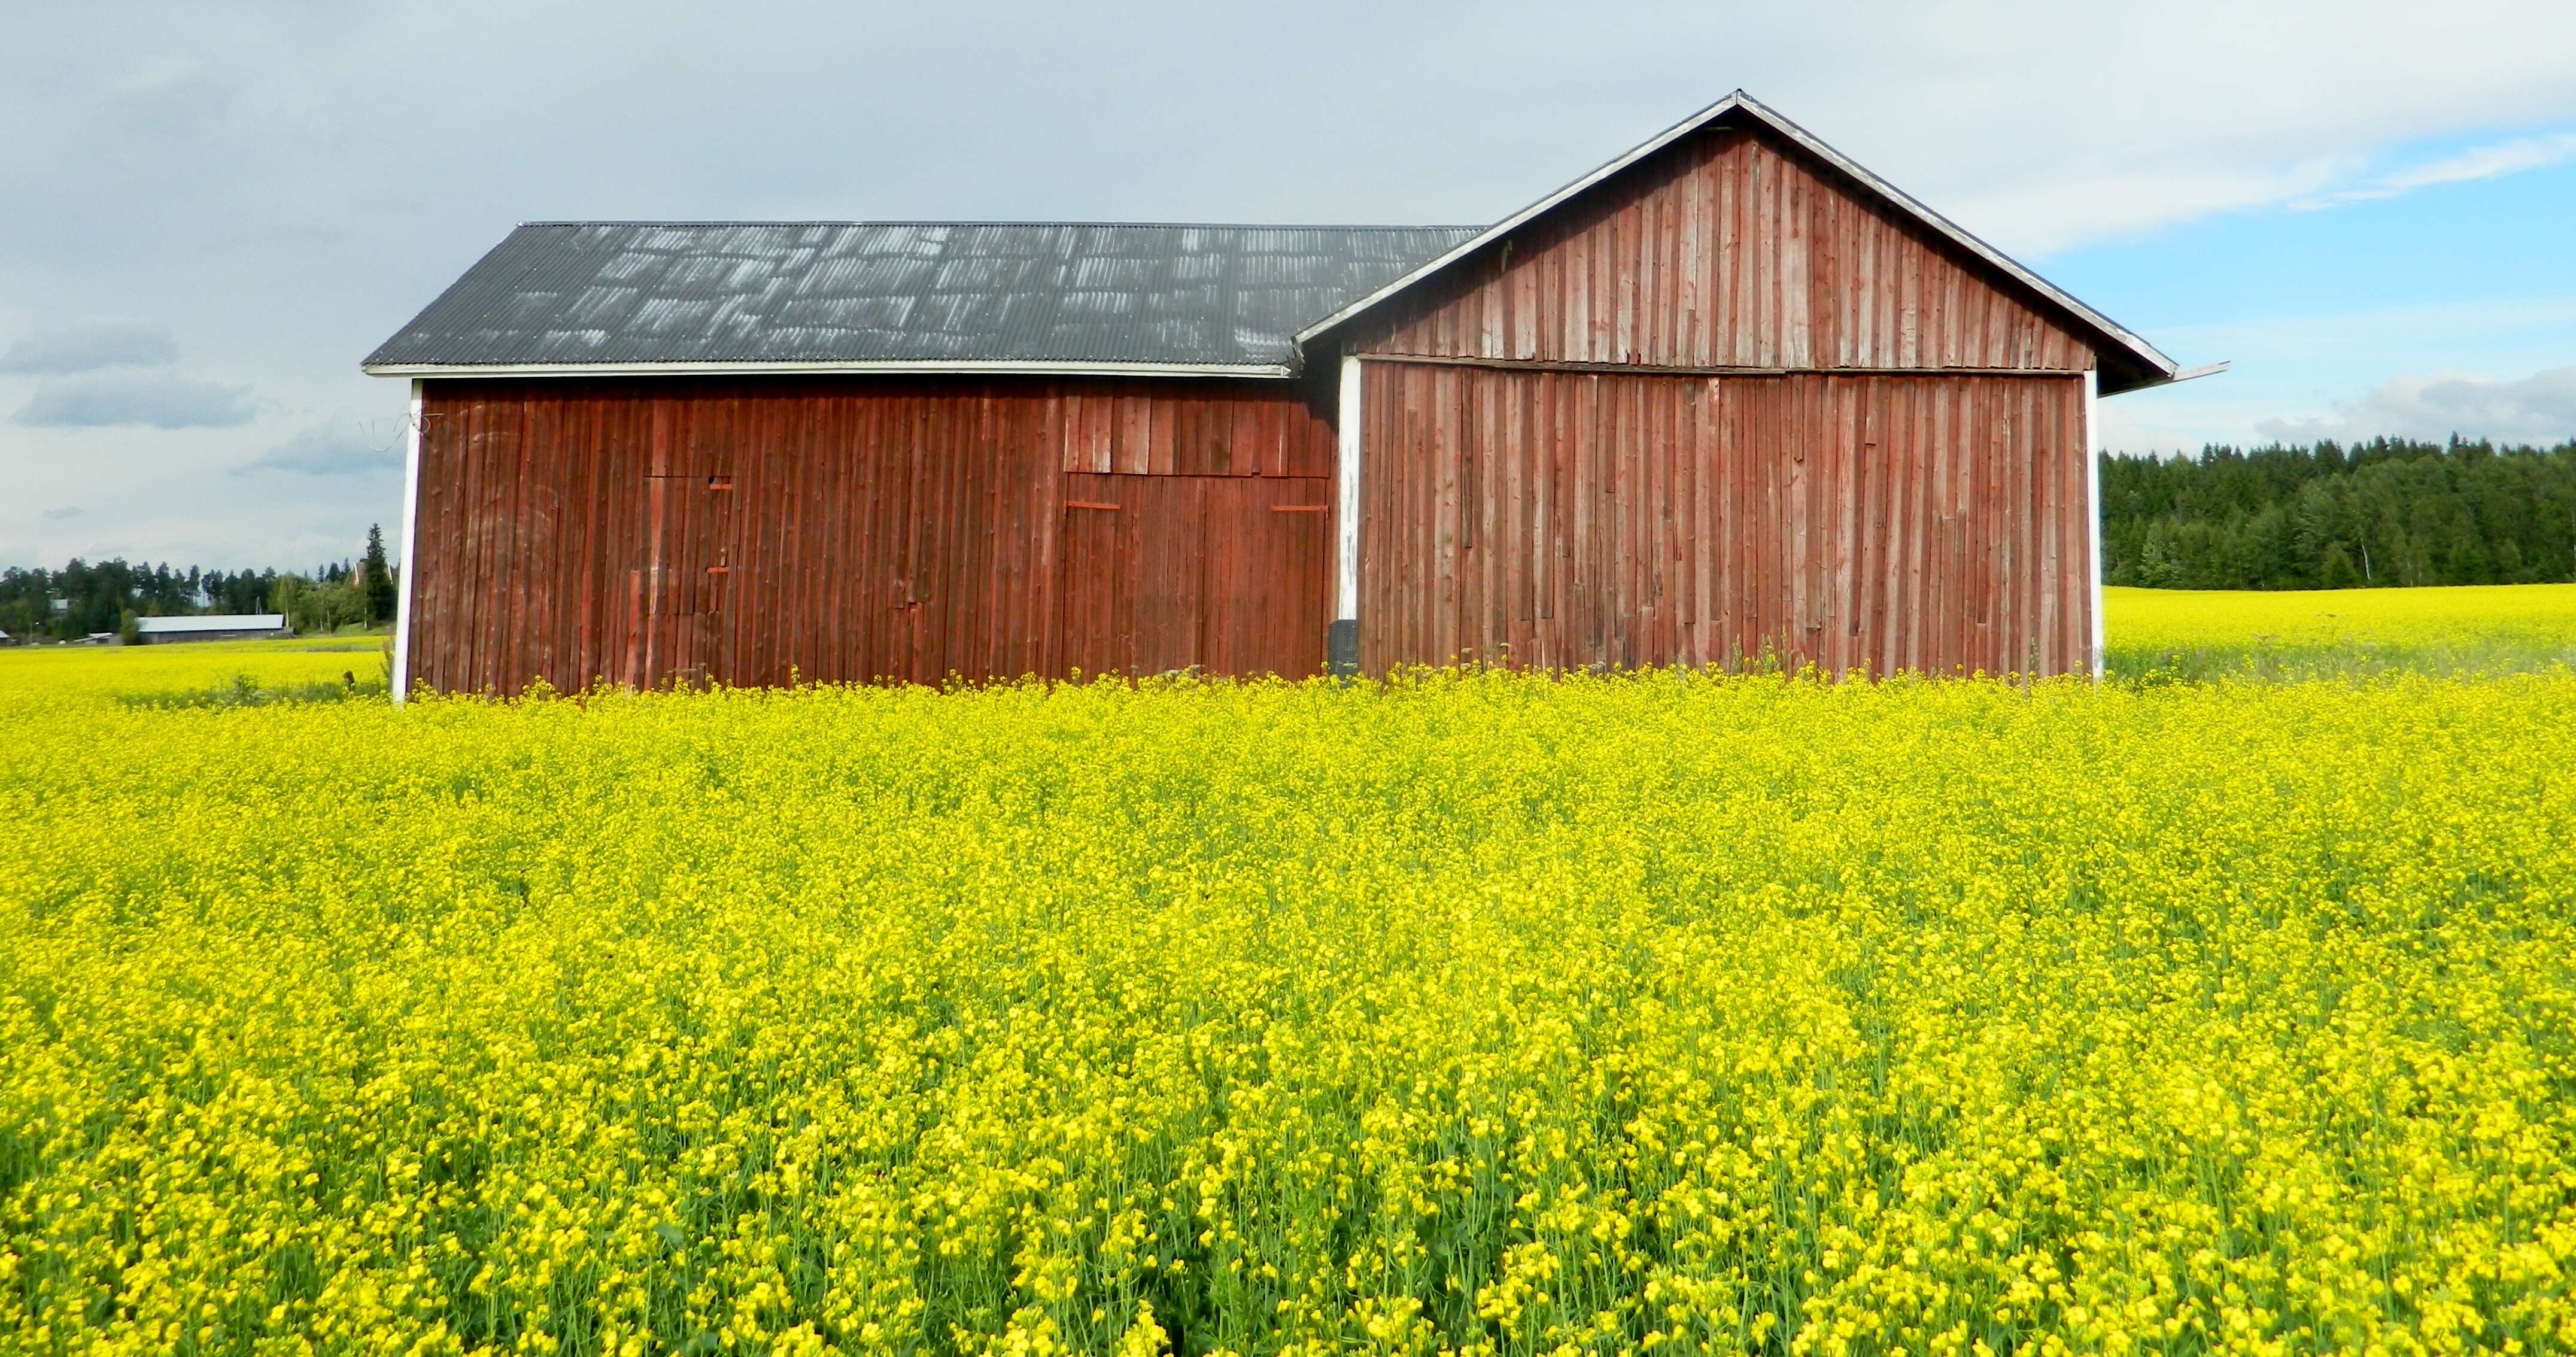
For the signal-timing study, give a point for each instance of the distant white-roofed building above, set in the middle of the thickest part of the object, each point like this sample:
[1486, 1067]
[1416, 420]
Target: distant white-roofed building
[212, 627]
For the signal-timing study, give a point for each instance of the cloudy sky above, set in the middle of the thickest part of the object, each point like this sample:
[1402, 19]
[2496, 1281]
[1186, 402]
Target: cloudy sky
[210, 212]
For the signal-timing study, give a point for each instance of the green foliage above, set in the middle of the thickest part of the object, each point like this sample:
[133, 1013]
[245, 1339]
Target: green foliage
[247, 690]
[375, 582]
[2268, 660]
[322, 605]
[2385, 513]
[82, 598]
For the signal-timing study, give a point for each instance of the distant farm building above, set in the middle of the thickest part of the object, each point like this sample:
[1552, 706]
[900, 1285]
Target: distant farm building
[211, 627]
[1729, 395]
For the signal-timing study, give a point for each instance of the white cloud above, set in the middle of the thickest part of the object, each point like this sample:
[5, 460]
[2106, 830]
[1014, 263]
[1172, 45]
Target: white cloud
[225, 171]
[2045, 217]
[86, 348]
[148, 399]
[2299, 377]
[2479, 162]
[2347, 335]
[2121, 430]
[334, 449]
[2538, 409]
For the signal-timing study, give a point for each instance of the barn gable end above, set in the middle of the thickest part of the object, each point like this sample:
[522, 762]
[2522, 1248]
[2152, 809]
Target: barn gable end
[1728, 248]
[1726, 401]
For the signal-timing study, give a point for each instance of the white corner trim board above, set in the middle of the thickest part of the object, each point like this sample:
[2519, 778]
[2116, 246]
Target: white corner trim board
[2093, 505]
[410, 555]
[1346, 498]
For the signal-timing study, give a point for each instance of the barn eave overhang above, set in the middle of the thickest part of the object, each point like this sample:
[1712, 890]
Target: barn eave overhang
[1031, 368]
[2128, 362]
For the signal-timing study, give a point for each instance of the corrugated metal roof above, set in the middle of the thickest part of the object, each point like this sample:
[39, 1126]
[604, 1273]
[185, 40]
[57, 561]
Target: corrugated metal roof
[1035, 295]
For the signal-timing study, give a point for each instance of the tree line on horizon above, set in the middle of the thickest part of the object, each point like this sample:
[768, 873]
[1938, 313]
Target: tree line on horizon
[2386, 513]
[85, 598]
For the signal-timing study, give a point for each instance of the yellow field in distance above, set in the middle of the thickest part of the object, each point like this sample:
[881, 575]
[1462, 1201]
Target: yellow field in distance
[2326, 633]
[2461, 613]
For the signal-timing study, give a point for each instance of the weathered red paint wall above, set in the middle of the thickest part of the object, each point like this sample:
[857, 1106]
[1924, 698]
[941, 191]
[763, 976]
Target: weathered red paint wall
[1726, 249]
[1559, 519]
[863, 528]
[1165, 572]
[1724, 406]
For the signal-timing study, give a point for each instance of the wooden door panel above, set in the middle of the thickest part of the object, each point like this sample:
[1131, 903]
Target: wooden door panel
[1171, 573]
[1094, 621]
[682, 590]
[1163, 573]
[719, 607]
[1267, 542]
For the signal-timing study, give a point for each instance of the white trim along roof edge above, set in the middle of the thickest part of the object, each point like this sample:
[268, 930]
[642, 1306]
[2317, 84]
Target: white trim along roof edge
[2108, 329]
[750, 366]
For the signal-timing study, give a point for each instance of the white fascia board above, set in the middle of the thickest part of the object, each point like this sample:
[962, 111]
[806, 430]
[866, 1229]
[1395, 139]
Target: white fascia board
[1807, 141]
[1034, 369]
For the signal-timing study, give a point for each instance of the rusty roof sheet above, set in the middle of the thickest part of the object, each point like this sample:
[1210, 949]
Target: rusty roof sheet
[1040, 295]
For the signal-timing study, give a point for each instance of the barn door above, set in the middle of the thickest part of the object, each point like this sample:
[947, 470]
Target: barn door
[1164, 573]
[1095, 579]
[685, 584]
[1130, 574]
[1268, 543]
[1170, 585]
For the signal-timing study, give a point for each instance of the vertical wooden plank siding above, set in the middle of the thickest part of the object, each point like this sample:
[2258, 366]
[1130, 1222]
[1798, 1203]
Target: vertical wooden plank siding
[1221, 574]
[1726, 249]
[1867, 522]
[764, 530]
[1724, 407]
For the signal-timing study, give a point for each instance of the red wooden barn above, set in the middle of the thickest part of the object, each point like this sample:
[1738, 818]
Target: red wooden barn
[1728, 395]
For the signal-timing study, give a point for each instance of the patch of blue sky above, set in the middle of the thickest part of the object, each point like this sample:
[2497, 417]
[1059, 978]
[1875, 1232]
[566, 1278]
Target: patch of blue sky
[2319, 301]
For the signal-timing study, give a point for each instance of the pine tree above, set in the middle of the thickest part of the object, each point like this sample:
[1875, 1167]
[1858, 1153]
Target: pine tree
[376, 578]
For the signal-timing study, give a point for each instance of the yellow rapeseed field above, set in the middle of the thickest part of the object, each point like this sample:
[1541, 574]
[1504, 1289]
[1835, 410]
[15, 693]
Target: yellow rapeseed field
[2462, 614]
[2494, 628]
[1472, 1013]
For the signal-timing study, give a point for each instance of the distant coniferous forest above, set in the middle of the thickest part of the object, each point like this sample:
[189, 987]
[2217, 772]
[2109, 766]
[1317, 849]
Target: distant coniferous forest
[87, 598]
[83, 598]
[2378, 514]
